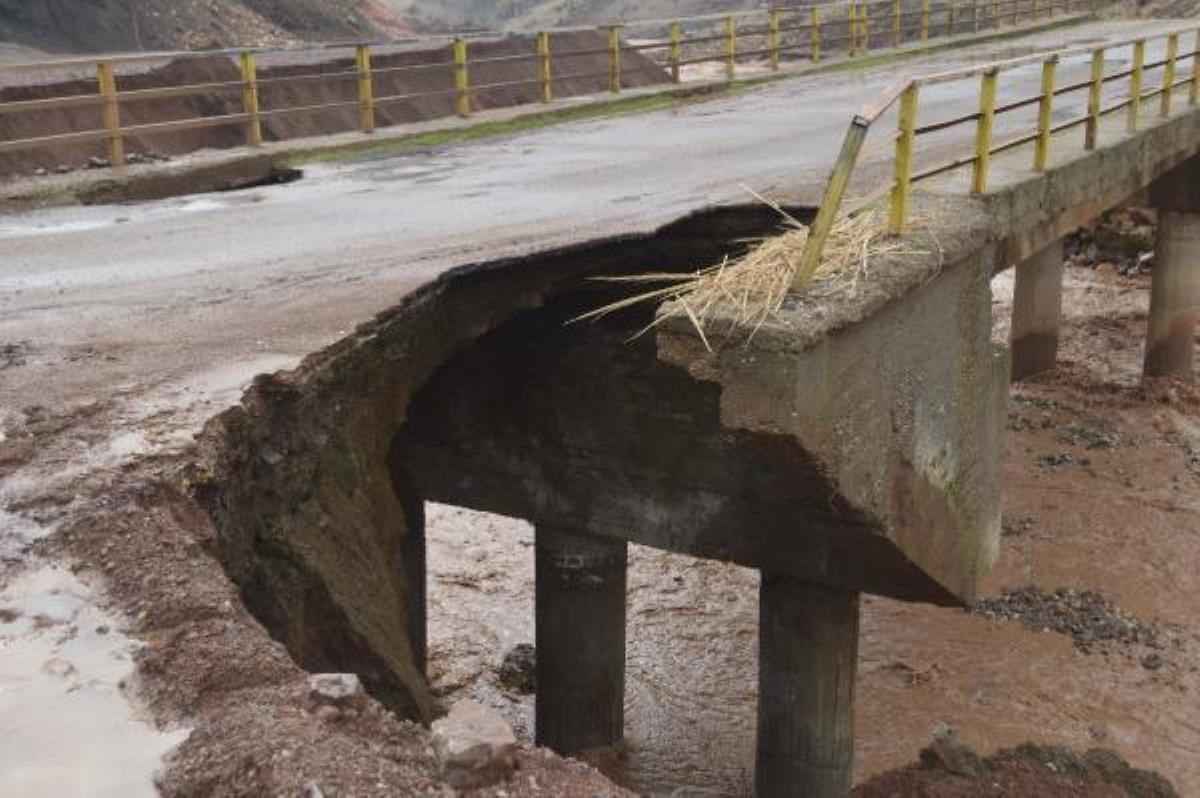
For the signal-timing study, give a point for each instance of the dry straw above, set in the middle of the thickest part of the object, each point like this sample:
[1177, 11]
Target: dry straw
[748, 291]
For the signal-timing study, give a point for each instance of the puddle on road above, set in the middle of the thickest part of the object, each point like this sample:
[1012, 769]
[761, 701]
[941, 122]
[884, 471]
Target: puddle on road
[62, 664]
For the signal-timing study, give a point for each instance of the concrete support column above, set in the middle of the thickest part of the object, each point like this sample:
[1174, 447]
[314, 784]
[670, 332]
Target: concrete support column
[807, 657]
[1037, 312]
[580, 600]
[1174, 295]
[415, 570]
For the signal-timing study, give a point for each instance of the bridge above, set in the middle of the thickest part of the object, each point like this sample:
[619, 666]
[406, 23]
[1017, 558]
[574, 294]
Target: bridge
[851, 445]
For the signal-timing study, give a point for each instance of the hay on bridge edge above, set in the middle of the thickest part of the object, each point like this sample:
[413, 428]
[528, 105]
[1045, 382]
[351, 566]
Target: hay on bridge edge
[746, 292]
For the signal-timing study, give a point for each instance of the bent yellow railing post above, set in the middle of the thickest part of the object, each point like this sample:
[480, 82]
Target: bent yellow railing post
[1168, 87]
[831, 203]
[1135, 85]
[896, 34]
[730, 47]
[366, 92]
[983, 133]
[898, 210]
[676, 50]
[111, 113]
[924, 20]
[543, 51]
[249, 72]
[1095, 90]
[614, 59]
[773, 36]
[462, 79]
[1041, 151]
[816, 34]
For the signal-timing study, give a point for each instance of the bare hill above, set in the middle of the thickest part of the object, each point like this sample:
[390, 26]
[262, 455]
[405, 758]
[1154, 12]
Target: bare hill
[71, 26]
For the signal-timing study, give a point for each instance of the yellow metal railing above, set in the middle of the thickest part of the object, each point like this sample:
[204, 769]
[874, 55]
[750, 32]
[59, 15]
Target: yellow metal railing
[1041, 135]
[807, 33]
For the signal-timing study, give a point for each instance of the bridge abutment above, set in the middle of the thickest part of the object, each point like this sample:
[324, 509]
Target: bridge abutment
[1037, 312]
[580, 607]
[807, 659]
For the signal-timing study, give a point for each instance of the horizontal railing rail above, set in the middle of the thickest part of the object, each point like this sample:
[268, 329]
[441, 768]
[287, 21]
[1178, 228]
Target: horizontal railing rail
[1039, 135]
[809, 33]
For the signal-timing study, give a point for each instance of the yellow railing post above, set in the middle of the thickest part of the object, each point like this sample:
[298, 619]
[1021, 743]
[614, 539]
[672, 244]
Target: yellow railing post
[676, 50]
[462, 79]
[983, 133]
[1135, 85]
[1194, 89]
[543, 51]
[773, 36]
[1041, 151]
[996, 13]
[898, 210]
[852, 26]
[1095, 92]
[831, 203]
[366, 92]
[975, 16]
[950, 14]
[111, 113]
[897, 35]
[730, 47]
[614, 59]
[1168, 87]
[815, 24]
[249, 72]
[924, 20]
[864, 18]
[1016, 19]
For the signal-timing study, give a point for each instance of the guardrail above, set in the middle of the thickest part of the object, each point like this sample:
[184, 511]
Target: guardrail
[809, 32]
[905, 94]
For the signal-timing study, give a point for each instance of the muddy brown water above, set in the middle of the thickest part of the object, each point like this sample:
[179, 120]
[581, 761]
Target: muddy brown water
[1118, 520]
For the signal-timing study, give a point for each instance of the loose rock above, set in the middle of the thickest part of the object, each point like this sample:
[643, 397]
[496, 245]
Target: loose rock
[474, 745]
[340, 690]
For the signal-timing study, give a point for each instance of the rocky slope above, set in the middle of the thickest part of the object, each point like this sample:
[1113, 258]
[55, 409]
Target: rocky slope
[67, 26]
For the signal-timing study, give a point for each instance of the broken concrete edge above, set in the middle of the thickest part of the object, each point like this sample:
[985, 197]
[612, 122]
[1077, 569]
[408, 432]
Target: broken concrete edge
[210, 170]
[899, 394]
[309, 524]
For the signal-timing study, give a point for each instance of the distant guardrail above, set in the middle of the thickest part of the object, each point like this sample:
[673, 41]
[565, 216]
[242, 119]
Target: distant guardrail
[1039, 136]
[801, 33]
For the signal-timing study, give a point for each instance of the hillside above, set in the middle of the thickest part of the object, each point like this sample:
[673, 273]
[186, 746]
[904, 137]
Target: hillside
[70, 26]
[439, 15]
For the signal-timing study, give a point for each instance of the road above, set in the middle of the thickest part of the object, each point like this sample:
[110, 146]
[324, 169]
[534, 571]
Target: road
[159, 312]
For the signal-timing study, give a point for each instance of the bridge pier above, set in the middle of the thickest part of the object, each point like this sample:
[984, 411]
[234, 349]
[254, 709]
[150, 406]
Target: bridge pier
[807, 657]
[1037, 312]
[1174, 295]
[1175, 288]
[580, 608]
